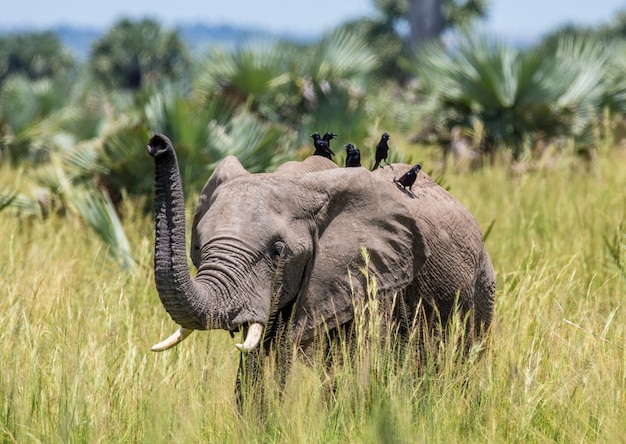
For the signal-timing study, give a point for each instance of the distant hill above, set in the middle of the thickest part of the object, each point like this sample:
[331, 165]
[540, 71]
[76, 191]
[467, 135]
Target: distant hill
[199, 37]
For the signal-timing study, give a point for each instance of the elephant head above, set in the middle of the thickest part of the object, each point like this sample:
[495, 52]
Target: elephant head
[287, 241]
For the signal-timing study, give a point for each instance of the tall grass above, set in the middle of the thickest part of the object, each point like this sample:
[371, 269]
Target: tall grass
[75, 364]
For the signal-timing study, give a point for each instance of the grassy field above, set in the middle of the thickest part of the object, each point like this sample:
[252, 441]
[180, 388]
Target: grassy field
[76, 366]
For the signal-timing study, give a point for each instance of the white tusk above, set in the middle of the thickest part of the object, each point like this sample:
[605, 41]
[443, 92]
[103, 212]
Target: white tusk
[178, 336]
[252, 338]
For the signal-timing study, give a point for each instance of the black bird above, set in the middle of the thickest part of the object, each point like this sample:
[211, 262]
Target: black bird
[353, 156]
[322, 145]
[382, 150]
[408, 178]
[328, 136]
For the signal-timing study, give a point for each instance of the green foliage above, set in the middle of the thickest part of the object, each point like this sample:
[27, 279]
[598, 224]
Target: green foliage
[24, 106]
[514, 94]
[248, 75]
[391, 10]
[607, 33]
[338, 57]
[135, 54]
[6, 198]
[386, 31]
[255, 143]
[285, 82]
[614, 87]
[294, 88]
[388, 45]
[461, 15]
[35, 56]
[39, 118]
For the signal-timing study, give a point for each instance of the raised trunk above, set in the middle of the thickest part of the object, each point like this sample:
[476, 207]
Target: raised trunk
[191, 304]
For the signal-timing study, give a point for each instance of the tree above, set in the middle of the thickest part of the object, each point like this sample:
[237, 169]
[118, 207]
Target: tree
[382, 37]
[399, 27]
[34, 56]
[428, 19]
[425, 19]
[133, 54]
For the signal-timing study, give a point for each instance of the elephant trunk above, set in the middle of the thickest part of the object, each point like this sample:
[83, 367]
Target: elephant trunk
[192, 304]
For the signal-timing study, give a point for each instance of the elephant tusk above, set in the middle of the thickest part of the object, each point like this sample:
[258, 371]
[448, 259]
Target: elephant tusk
[253, 338]
[178, 336]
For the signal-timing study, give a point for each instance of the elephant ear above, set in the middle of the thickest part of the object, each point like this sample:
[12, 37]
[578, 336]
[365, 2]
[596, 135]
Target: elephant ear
[360, 210]
[227, 169]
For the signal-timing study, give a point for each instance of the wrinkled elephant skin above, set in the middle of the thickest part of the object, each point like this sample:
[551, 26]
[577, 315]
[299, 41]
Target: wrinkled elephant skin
[290, 243]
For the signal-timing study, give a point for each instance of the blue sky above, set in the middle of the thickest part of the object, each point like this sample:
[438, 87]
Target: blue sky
[509, 18]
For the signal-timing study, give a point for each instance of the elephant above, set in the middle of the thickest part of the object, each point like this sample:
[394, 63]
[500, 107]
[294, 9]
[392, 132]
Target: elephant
[280, 252]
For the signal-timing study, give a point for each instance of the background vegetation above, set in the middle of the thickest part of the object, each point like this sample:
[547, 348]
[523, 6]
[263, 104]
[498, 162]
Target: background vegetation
[537, 138]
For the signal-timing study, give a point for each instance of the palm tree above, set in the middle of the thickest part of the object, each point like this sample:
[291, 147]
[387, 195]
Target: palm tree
[26, 106]
[515, 94]
[134, 54]
[34, 56]
[299, 86]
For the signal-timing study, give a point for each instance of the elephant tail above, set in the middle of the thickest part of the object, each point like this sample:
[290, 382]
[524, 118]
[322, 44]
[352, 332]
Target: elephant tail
[484, 294]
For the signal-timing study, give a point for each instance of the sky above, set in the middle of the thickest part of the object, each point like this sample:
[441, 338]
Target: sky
[508, 18]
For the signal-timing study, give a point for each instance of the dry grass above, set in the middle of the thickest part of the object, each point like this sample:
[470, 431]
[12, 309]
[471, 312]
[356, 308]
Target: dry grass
[75, 364]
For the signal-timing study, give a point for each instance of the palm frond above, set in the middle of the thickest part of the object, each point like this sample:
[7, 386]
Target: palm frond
[97, 210]
[84, 160]
[341, 56]
[614, 97]
[581, 66]
[24, 101]
[89, 203]
[512, 92]
[31, 206]
[254, 142]
[171, 112]
[6, 198]
[251, 70]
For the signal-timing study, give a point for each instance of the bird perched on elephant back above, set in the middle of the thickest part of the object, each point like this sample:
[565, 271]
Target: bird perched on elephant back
[322, 144]
[353, 156]
[408, 179]
[279, 255]
[382, 151]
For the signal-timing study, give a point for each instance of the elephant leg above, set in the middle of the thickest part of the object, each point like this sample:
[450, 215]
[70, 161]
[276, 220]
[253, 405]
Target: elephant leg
[249, 383]
[337, 347]
[282, 350]
[249, 387]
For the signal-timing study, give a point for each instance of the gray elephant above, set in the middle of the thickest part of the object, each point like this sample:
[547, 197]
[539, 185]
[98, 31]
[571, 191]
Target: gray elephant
[281, 252]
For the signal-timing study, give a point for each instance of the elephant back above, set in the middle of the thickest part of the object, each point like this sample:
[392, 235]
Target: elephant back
[459, 263]
[309, 165]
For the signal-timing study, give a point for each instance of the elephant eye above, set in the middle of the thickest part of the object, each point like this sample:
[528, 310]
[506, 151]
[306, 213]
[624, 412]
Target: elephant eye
[277, 249]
